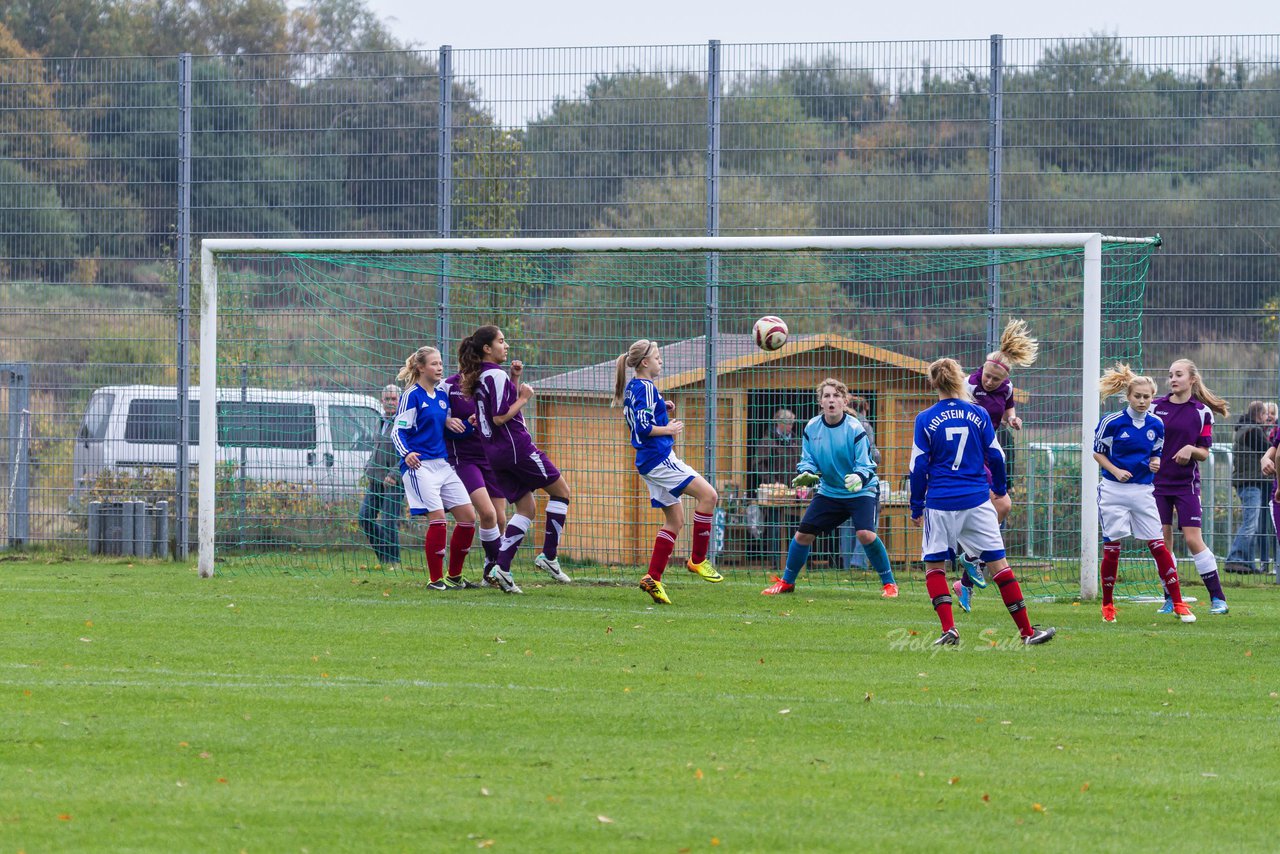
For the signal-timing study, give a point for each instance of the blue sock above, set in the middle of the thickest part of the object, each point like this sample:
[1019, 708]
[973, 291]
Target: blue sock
[879, 559]
[796, 556]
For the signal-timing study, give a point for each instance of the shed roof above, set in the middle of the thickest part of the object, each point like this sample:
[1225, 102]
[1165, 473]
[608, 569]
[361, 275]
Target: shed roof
[683, 362]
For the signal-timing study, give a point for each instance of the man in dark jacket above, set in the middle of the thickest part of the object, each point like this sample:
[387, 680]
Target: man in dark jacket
[1251, 485]
[383, 503]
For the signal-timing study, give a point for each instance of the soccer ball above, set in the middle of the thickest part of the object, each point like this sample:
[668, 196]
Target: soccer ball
[770, 332]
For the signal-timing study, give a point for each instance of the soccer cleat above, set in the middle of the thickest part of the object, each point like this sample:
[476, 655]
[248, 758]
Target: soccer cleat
[1218, 606]
[503, 581]
[1109, 613]
[486, 574]
[890, 591]
[654, 588]
[1039, 636]
[973, 569]
[962, 594]
[551, 566]
[457, 582]
[1183, 612]
[951, 637]
[1166, 608]
[778, 586]
[704, 570]
[437, 585]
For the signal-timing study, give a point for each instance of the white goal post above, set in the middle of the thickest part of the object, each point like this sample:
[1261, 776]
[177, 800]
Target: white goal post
[212, 249]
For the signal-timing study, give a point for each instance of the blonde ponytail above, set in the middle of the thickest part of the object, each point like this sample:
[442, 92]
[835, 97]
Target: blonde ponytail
[948, 379]
[415, 365]
[1017, 348]
[1122, 378]
[636, 353]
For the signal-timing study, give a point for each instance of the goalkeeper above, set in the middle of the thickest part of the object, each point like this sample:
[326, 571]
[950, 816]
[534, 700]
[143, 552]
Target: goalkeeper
[836, 455]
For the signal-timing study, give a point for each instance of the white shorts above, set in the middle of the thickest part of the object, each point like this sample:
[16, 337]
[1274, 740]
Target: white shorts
[978, 528]
[434, 485]
[1128, 510]
[667, 480]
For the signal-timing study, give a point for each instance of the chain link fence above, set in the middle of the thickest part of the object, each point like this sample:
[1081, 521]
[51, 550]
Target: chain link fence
[111, 169]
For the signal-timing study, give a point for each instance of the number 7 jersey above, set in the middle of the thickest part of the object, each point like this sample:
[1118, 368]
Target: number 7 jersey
[954, 447]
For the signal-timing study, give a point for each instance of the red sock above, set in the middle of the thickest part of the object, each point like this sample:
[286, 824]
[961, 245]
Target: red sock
[663, 545]
[459, 544]
[701, 536]
[1011, 593]
[1110, 569]
[434, 547]
[1167, 568]
[935, 583]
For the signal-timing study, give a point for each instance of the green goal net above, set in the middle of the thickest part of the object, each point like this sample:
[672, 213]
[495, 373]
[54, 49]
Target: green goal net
[307, 339]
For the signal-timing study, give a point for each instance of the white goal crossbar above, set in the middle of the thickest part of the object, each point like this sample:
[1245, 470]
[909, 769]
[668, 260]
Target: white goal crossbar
[1090, 242]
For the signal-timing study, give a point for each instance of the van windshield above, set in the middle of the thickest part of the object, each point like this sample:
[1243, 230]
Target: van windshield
[97, 415]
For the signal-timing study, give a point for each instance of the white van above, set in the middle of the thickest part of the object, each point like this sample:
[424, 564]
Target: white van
[318, 438]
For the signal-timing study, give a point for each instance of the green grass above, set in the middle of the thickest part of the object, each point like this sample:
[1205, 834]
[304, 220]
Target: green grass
[146, 709]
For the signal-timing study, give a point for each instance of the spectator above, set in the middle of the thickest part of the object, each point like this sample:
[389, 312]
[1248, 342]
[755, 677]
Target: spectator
[779, 452]
[383, 502]
[777, 456]
[1250, 483]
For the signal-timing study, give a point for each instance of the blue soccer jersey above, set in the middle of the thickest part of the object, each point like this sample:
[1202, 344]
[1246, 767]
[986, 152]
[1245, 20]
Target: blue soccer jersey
[645, 409]
[835, 450]
[1130, 442]
[953, 448]
[420, 424]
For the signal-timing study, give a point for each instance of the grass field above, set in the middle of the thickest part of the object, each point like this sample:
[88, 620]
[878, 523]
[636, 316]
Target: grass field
[146, 709]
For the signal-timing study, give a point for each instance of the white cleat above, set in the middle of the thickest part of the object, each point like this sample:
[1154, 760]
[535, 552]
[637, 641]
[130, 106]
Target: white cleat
[551, 567]
[504, 581]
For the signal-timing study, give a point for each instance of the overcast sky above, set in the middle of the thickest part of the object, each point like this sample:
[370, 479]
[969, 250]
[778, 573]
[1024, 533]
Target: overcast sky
[561, 23]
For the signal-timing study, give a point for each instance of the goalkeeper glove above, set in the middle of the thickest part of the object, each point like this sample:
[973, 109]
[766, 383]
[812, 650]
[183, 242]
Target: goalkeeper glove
[854, 482]
[805, 478]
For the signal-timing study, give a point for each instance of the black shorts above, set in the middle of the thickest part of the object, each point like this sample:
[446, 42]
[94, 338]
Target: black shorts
[826, 514]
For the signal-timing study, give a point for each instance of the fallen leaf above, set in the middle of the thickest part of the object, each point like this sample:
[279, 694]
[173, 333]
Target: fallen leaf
[608, 630]
[986, 798]
[183, 744]
[1037, 807]
[866, 698]
[528, 652]
[1084, 787]
[1006, 723]
[204, 754]
[1248, 653]
[66, 816]
[784, 711]
[324, 675]
[498, 639]
[1274, 695]
[232, 605]
[86, 640]
[637, 627]
[1207, 774]
[222, 779]
[485, 843]
[913, 633]
[715, 841]
[386, 592]
[89, 623]
[953, 781]
[762, 662]
[697, 774]
[484, 792]
[604, 819]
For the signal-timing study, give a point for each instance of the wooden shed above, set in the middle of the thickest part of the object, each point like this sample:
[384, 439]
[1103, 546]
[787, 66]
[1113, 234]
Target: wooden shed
[611, 519]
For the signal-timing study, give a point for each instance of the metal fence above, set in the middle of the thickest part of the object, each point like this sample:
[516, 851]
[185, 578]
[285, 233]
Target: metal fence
[111, 168]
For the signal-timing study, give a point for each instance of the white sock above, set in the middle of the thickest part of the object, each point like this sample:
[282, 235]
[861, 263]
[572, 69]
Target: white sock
[1206, 563]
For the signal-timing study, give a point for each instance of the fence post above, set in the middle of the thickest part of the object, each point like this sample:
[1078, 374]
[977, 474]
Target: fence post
[182, 471]
[444, 193]
[713, 258]
[995, 170]
[17, 375]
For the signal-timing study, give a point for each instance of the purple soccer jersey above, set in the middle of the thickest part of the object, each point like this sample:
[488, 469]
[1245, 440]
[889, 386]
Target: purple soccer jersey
[508, 444]
[1189, 423]
[995, 402]
[468, 447]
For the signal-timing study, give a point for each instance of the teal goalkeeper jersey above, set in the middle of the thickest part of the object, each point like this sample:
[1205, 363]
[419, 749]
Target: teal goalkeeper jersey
[835, 450]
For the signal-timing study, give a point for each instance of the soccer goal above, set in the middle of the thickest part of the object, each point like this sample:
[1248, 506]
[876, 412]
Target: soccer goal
[298, 338]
